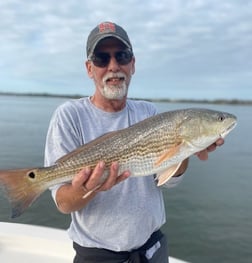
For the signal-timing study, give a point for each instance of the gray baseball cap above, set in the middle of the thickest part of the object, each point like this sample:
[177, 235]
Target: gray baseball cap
[103, 30]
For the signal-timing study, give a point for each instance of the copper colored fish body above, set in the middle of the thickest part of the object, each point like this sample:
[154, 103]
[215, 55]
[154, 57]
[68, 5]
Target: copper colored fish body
[156, 145]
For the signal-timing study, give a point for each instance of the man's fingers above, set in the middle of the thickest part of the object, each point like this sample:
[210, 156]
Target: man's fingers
[95, 178]
[81, 177]
[220, 142]
[111, 180]
[92, 180]
[122, 177]
[113, 177]
[203, 155]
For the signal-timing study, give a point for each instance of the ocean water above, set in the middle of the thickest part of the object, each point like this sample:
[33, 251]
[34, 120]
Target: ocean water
[209, 215]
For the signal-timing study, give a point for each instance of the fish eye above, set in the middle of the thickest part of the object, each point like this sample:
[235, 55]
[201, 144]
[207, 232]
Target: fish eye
[221, 118]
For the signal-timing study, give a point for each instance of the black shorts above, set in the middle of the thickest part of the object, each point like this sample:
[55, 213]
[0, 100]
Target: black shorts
[155, 250]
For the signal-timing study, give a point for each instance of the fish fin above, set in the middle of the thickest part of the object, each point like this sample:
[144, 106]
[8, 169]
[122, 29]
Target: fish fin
[20, 188]
[91, 191]
[166, 175]
[168, 154]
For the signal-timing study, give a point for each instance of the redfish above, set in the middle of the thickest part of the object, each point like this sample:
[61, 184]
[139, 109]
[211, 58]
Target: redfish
[157, 145]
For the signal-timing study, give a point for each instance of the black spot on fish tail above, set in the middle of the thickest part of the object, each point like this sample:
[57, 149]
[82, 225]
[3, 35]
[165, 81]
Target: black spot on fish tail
[20, 188]
[31, 175]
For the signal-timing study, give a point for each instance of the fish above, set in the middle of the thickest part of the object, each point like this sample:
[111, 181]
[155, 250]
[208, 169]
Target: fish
[154, 146]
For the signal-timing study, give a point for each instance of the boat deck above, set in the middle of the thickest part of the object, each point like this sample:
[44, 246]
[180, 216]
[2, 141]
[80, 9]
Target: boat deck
[37, 244]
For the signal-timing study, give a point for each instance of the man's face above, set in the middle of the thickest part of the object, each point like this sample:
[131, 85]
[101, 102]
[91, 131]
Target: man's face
[112, 79]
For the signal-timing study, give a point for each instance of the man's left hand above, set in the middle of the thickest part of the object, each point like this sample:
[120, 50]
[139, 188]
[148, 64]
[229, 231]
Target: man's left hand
[203, 155]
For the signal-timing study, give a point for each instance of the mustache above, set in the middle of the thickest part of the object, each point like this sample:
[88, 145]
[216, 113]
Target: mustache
[111, 75]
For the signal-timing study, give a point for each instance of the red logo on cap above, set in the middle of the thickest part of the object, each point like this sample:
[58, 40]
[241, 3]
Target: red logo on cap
[107, 26]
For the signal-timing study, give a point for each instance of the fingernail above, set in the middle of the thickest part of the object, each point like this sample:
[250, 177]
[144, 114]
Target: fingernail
[115, 165]
[87, 170]
[127, 173]
[101, 164]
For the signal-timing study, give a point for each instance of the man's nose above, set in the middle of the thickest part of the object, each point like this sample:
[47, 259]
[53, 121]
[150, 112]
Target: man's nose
[113, 65]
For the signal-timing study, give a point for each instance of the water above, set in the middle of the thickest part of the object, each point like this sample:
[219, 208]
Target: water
[209, 215]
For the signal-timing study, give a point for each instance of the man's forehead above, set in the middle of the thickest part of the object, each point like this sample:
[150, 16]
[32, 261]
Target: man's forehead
[110, 42]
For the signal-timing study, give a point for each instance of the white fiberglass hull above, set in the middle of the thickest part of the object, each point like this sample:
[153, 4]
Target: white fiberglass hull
[37, 244]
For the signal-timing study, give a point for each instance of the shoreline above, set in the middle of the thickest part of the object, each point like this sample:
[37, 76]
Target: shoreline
[76, 96]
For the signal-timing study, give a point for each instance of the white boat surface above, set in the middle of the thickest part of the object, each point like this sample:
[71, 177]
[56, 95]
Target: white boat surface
[30, 243]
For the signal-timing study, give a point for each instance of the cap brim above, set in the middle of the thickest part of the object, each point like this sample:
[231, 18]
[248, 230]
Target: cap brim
[106, 36]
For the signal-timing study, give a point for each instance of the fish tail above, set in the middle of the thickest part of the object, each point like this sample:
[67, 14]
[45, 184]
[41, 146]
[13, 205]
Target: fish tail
[20, 188]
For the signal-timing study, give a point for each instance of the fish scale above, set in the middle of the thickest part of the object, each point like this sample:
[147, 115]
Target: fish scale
[157, 145]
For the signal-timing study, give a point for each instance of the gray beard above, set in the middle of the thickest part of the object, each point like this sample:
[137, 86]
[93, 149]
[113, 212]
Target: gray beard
[116, 92]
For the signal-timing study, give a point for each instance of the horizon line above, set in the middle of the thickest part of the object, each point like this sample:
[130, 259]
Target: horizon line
[55, 95]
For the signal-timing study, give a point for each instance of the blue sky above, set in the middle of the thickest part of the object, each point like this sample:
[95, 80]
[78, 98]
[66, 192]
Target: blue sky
[190, 49]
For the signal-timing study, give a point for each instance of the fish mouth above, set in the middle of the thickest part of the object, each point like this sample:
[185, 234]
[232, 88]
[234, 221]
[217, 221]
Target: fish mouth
[228, 130]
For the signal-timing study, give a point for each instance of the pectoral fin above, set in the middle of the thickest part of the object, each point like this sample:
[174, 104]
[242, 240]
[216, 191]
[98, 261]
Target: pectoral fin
[91, 191]
[163, 177]
[168, 154]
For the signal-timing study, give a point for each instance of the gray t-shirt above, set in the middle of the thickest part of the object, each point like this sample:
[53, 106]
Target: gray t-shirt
[124, 217]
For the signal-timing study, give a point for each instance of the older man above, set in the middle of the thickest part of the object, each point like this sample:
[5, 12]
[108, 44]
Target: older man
[121, 220]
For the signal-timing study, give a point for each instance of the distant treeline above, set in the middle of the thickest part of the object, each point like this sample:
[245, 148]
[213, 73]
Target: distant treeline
[216, 101]
[203, 101]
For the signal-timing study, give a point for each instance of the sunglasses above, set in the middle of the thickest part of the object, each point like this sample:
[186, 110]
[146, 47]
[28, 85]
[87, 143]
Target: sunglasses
[102, 59]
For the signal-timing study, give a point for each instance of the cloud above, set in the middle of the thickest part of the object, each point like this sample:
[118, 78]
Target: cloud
[176, 41]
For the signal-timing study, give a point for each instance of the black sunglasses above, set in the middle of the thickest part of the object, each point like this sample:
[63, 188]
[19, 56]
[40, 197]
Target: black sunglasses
[102, 59]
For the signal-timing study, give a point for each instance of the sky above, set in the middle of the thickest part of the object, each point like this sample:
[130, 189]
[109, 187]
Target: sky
[184, 49]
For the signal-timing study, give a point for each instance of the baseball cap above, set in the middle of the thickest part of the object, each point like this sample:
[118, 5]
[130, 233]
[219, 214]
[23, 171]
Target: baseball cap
[103, 30]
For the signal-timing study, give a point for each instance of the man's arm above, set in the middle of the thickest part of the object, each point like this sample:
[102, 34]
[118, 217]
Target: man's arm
[69, 197]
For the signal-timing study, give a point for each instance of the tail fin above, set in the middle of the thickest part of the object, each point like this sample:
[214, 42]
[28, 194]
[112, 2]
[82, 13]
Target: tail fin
[21, 188]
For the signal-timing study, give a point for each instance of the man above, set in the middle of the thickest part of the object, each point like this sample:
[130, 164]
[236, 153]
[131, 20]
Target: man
[120, 220]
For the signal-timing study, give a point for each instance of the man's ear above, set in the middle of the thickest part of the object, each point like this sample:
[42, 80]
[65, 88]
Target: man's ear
[133, 66]
[89, 68]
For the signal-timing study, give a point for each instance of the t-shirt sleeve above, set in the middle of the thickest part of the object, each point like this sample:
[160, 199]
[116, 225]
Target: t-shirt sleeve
[61, 138]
